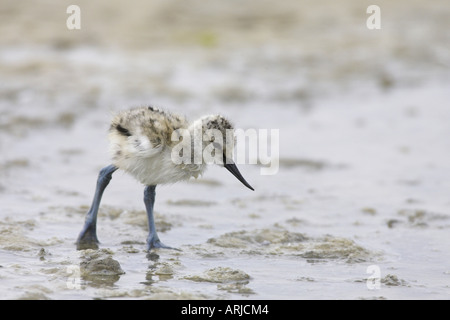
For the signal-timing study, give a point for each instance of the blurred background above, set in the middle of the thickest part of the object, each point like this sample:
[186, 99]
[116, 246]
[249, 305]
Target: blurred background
[364, 120]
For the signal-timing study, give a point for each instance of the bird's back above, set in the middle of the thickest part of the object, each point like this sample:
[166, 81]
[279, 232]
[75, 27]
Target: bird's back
[154, 124]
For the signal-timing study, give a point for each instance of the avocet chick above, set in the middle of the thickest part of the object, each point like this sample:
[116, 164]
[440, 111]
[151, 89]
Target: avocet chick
[155, 147]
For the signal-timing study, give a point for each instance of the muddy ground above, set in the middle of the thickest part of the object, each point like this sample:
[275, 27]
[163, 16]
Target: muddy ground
[358, 209]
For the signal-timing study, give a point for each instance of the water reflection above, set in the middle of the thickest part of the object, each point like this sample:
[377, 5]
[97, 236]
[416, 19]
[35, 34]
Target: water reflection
[157, 270]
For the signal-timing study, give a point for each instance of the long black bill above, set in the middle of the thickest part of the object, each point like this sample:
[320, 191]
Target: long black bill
[234, 170]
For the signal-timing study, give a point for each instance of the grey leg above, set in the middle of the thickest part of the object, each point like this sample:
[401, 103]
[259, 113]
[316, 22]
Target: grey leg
[88, 236]
[152, 239]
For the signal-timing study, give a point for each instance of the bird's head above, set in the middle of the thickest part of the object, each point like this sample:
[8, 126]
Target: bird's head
[218, 142]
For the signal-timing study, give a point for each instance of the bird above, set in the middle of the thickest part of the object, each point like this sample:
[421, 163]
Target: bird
[155, 147]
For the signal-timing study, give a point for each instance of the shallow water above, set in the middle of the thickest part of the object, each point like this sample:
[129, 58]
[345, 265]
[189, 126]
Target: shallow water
[359, 208]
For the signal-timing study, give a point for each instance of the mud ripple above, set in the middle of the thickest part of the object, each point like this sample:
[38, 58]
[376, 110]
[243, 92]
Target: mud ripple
[419, 218]
[99, 268]
[281, 242]
[220, 275]
[393, 281]
[263, 237]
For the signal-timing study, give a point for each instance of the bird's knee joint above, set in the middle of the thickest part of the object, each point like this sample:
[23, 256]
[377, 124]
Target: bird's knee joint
[104, 176]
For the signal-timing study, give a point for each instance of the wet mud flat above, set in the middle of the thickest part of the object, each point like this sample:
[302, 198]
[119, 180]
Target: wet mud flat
[310, 257]
[226, 266]
[358, 208]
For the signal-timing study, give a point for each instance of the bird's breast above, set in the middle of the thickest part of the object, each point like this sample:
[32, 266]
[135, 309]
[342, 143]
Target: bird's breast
[158, 168]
